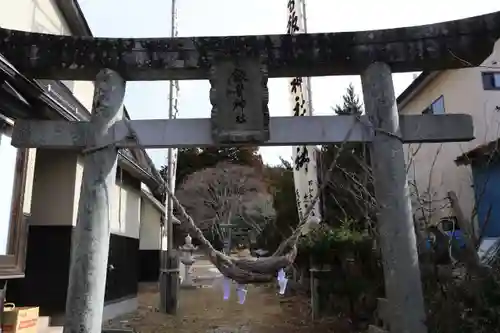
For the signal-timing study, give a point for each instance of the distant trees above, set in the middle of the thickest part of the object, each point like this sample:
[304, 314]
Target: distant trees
[282, 187]
[348, 194]
[227, 194]
[190, 160]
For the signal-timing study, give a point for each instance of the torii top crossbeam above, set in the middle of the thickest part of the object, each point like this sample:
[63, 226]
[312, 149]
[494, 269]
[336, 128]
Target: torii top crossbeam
[447, 45]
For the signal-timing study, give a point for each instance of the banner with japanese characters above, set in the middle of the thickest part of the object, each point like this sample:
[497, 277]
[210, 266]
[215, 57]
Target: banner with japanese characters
[304, 157]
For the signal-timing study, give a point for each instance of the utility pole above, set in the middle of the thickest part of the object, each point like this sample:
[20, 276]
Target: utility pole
[169, 262]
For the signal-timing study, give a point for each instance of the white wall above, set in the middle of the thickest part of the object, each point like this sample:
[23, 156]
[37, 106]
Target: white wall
[78, 186]
[59, 173]
[433, 167]
[43, 16]
[8, 160]
[8, 155]
[125, 207]
[126, 211]
[54, 188]
[150, 233]
[84, 91]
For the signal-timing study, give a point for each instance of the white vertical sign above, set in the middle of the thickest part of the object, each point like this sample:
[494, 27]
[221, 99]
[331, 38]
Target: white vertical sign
[304, 157]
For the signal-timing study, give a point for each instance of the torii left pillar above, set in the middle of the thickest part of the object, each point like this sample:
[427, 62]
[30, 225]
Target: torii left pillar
[90, 244]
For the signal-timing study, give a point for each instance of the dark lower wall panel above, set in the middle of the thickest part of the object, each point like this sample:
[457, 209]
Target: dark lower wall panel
[149, 265]
[47, 270]
[123, 268]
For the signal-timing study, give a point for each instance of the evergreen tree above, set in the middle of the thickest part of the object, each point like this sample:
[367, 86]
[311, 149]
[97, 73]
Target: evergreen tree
[351, 104]
[347, 195]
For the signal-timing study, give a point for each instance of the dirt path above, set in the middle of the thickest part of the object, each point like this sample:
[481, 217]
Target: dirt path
[203, 310]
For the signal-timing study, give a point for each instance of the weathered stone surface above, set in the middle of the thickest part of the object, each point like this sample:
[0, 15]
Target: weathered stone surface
[431, 47]
[239, 97]
[90, 240]
[395, 226]
[186, 133]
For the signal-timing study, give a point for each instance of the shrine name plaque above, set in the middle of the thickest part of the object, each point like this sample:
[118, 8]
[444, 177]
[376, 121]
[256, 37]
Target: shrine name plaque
[239, 98]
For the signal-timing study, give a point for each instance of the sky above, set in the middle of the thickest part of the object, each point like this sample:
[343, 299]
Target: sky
[151, 18]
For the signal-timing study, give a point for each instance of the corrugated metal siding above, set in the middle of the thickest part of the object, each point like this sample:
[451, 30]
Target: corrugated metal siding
[487, 195]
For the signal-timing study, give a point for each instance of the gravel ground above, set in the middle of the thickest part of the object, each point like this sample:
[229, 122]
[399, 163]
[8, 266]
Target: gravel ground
[203, 310]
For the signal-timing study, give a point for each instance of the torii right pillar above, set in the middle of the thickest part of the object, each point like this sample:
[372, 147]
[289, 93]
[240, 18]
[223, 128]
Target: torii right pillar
[403, 286]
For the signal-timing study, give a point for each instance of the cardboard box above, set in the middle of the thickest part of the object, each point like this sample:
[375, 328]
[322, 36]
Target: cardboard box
[19, 320]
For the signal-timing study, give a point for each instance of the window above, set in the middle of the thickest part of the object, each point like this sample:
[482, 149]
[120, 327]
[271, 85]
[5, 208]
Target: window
[437, 107]
[491, 80]
[12, 220]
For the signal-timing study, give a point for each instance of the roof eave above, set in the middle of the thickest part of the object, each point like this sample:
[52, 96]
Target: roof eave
[73, 15]
[487, 151]
[75, 19]
[415, 87]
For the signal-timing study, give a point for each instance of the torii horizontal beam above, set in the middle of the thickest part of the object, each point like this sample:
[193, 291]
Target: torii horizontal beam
[158, 133]
[440, 46]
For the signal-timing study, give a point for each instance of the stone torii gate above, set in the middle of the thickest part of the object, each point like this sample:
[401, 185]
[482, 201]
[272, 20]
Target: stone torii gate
[238, 68]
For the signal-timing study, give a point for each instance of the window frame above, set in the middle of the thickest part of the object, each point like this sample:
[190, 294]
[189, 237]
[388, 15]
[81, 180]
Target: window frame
[12, 265]
[430, 110]
[488, 80]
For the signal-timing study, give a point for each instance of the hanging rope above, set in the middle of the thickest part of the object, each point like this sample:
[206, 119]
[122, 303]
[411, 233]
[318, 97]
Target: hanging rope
[301, 229]
[258, 270]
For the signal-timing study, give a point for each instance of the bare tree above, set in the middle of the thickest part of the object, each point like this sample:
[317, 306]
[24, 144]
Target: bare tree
[227, 193]
[257, 212]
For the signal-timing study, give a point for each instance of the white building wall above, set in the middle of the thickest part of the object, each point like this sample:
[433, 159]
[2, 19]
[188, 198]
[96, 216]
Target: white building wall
[125, 211]
[43, 16]
[432, 166]
[150, 232]
[8, 156]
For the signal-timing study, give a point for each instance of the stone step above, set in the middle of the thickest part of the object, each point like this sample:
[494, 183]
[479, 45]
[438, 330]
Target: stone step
[44, 327]
[376, 329]
[383, 310]
[54, 329]
[48, 324]
[42, 324]
[117, 330]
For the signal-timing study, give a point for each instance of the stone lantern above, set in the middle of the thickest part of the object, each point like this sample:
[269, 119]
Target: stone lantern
[188, 260]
